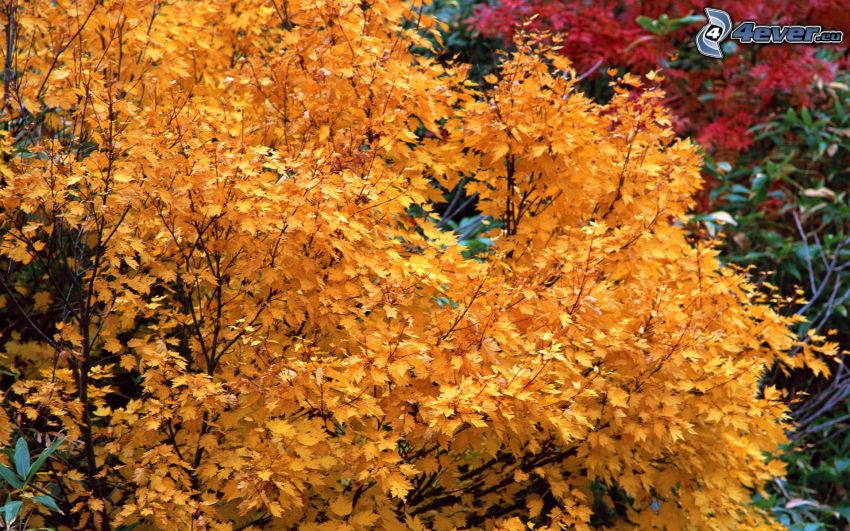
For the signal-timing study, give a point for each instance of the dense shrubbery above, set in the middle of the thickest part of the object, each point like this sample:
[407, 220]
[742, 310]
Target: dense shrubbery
[716, 102]
[773, 122]
[226, 289]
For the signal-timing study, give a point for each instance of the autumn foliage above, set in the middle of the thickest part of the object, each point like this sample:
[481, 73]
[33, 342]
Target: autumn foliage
[717, 102]
[224, 285]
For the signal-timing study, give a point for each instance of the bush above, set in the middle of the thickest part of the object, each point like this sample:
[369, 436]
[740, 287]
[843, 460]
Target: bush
[227, 289]
[772, 123]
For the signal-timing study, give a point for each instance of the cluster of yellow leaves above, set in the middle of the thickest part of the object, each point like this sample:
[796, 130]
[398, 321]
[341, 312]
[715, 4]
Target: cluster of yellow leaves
[230, 311]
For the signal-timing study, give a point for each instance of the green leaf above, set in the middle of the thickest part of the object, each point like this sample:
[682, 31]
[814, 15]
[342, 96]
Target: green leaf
[791, 268]
[806, 116]
[760, 181]
[649, 24]
[844, 511]
[10, 477]
[790, 116]
[11, 510]
[688, 20]
[777, 194]
[22, 458]
[36, 466]
[724, 166]
[842, 464]
[47, 501]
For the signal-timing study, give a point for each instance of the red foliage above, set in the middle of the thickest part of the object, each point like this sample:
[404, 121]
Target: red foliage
[714, 101]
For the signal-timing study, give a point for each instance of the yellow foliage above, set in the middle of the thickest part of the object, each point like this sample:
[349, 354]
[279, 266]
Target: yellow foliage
[235, 319]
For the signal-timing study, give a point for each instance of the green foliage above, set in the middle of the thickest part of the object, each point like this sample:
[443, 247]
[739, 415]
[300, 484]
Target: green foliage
[788, 203]
[784, 208]
[17, 482]
[460, 41]
[814, 469]
[471, 234]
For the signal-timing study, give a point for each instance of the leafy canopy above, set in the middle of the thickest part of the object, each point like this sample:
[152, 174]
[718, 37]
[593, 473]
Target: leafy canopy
[232, 298]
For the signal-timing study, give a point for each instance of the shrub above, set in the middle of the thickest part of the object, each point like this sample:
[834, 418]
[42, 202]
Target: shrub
[772, 122]
[227, 289]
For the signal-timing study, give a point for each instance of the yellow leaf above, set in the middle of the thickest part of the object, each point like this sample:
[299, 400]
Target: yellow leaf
[341, 506]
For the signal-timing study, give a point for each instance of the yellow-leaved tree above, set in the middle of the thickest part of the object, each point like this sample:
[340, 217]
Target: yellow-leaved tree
[224, 283]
